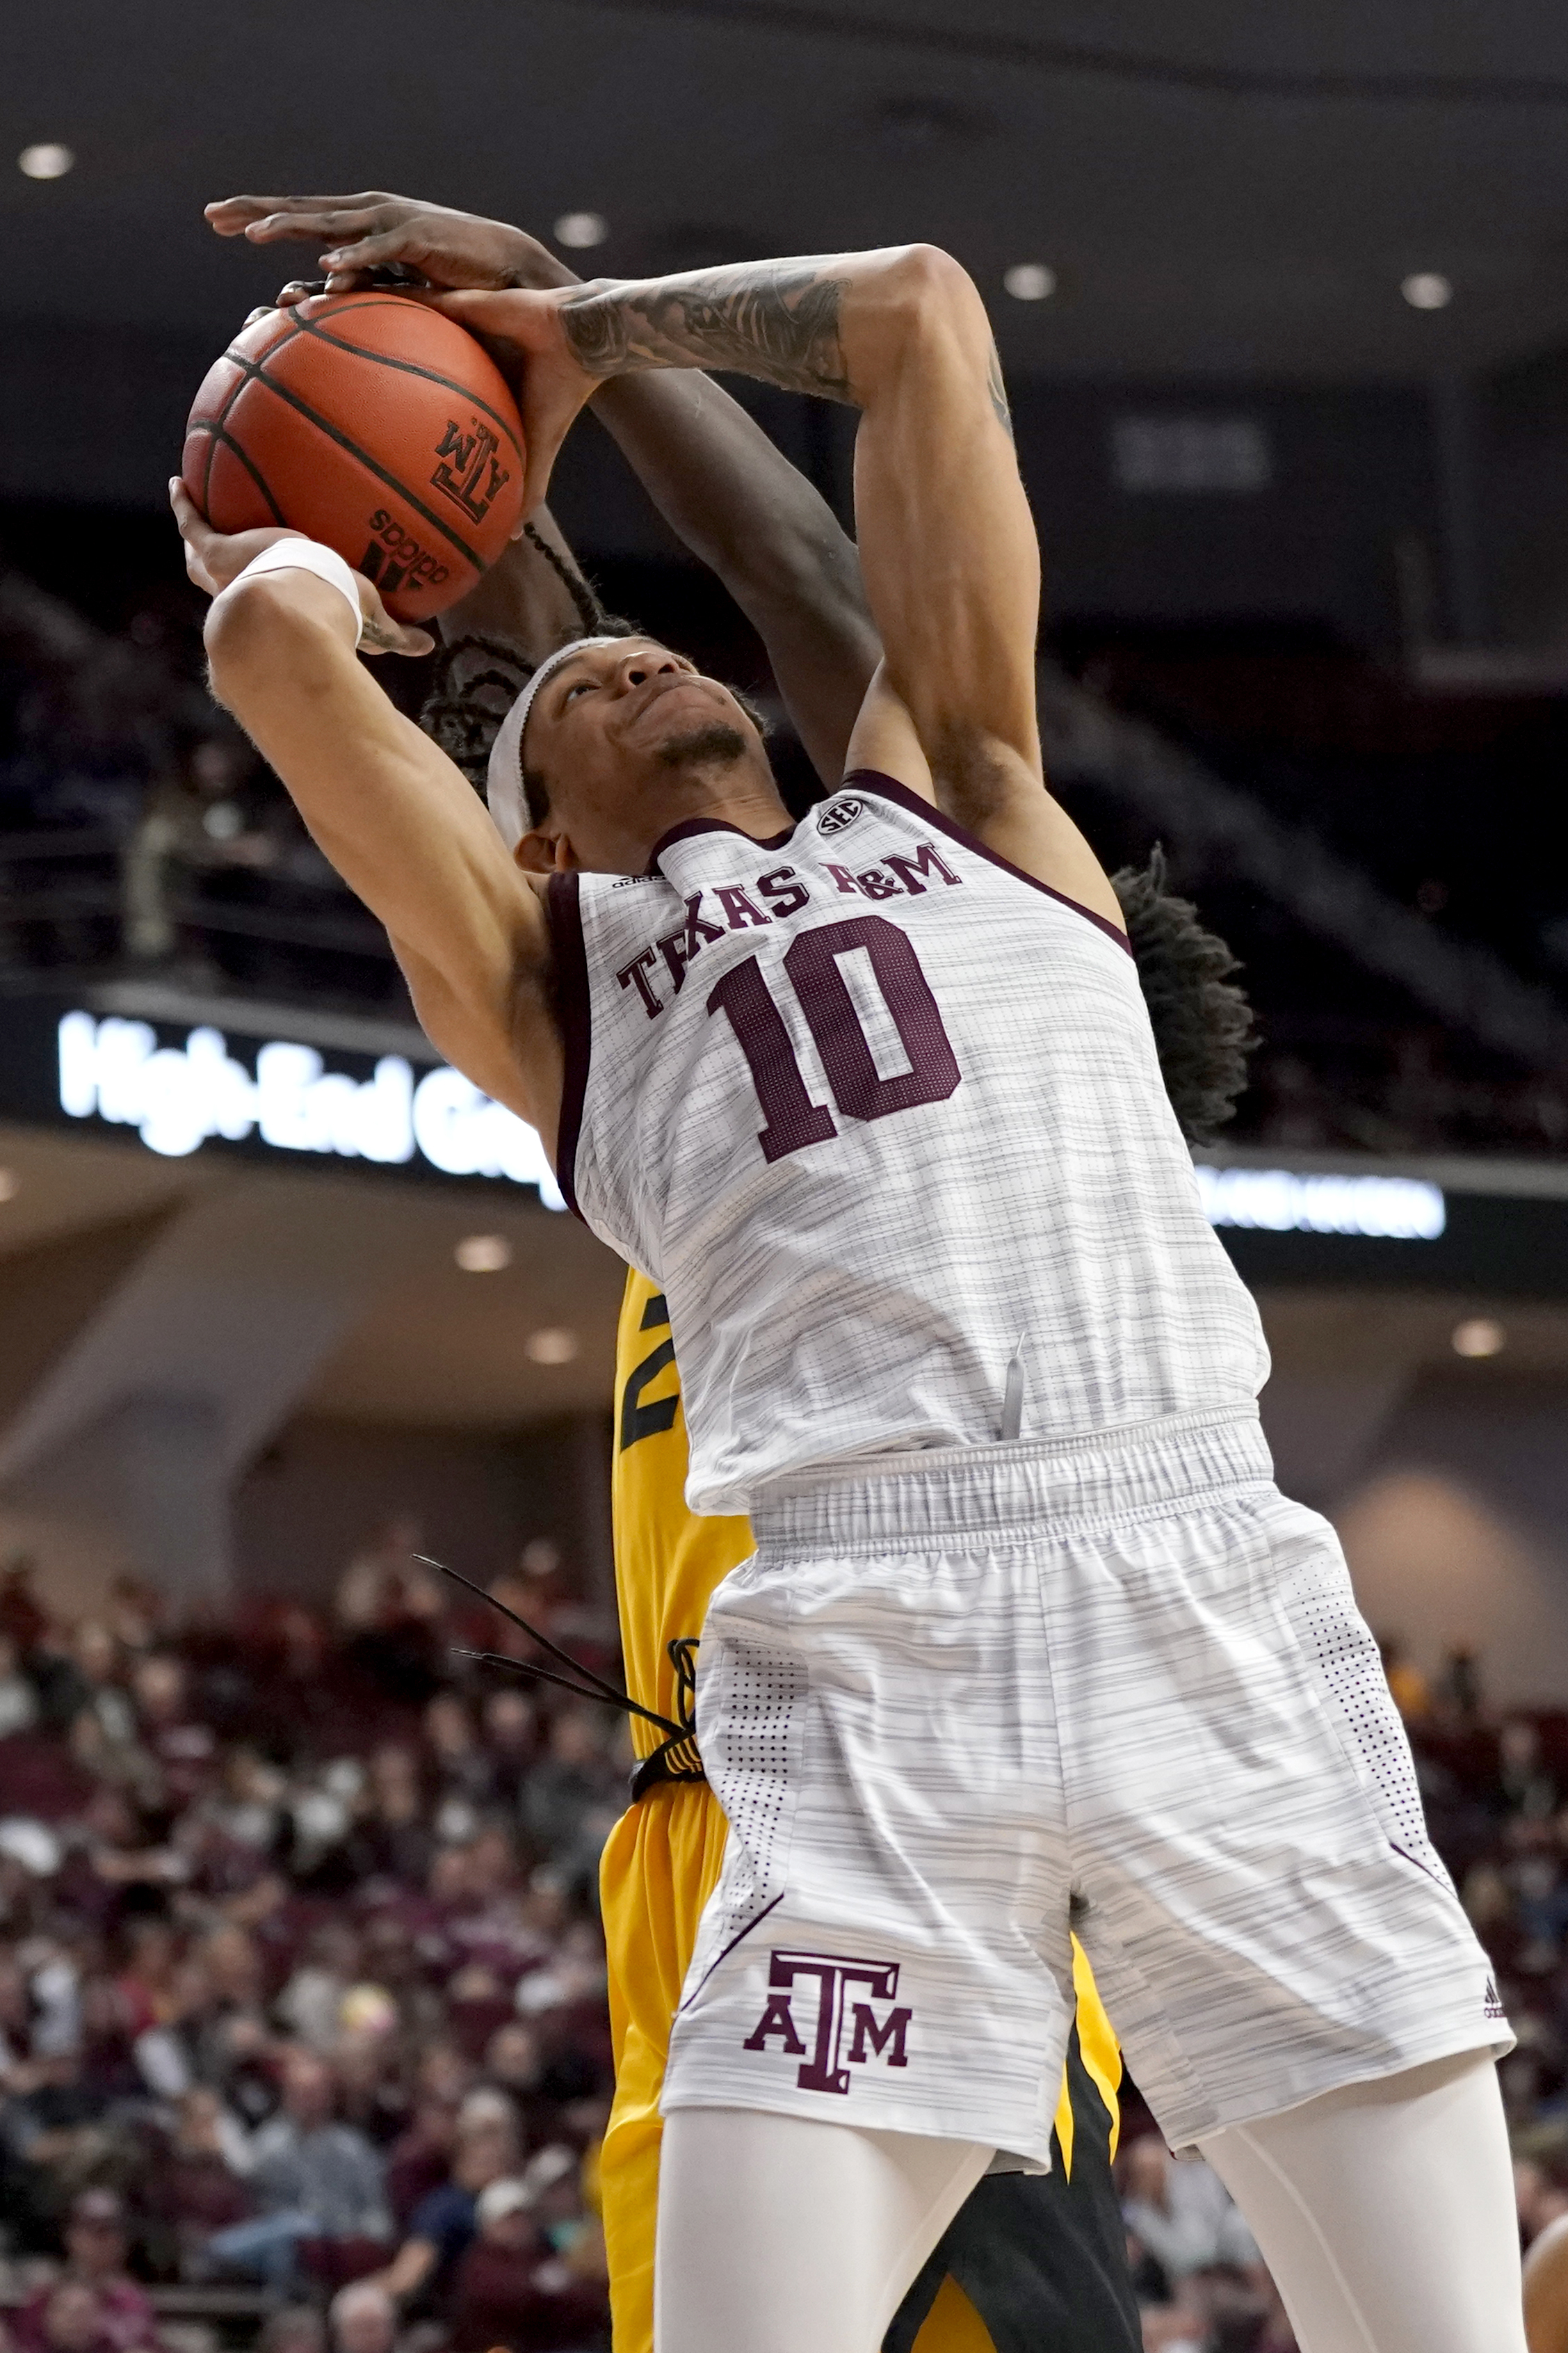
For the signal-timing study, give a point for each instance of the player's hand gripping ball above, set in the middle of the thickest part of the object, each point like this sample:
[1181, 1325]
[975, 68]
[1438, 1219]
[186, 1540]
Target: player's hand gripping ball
[372, 423]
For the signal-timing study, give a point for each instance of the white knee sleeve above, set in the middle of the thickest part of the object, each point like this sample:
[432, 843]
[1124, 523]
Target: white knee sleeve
[1386, 2212]
[784, 2235]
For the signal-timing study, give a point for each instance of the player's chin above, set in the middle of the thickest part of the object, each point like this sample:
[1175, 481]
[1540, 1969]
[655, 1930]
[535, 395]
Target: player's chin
[718, 743]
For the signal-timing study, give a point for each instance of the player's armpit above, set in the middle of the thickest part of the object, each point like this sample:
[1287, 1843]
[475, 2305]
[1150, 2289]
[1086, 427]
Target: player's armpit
[398, 822]
[1031, 830]
[951, 566]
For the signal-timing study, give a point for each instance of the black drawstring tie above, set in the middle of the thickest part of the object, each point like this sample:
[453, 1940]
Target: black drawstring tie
[675, 1758]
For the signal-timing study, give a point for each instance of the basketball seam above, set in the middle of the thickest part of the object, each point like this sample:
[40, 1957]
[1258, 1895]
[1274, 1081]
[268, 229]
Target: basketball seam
[217, 432]
[230, 396]
[412, 367]
[323, 425]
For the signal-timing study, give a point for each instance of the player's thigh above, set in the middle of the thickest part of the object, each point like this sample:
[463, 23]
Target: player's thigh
[1386, 2212]
[787, 2235]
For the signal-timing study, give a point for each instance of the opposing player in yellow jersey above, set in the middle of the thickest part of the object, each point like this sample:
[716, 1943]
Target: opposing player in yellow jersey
[1032, 2260]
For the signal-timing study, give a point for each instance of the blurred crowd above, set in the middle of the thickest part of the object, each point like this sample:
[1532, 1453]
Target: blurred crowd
[303, 1989]
[301, 1983]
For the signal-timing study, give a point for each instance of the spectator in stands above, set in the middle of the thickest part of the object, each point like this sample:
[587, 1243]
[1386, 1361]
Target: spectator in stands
[100, 1691]
[1460, 1689]
[1526, 1786]
[422, 2159]
[184, 1747]
[53, 2133]
[68, 2320]
[362, 2318]
[442, 2226]
[310, 2004]
[460, 1766]
[193, 816]
[314, 2178]
[395, 1840]
[18, 1698]
[510, 2288]
[573, 1796]
[1410, 1690]
[197, 2186]
[96, 2247]
[375, 1580]
[23, 1619]
[1181, 2215]
[293, 2329]
[511, 1739]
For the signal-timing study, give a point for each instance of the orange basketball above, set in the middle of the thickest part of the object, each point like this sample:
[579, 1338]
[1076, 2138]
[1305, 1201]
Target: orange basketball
[374, 425]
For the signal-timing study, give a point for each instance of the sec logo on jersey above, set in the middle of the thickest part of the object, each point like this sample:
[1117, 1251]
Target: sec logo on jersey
[840, 816]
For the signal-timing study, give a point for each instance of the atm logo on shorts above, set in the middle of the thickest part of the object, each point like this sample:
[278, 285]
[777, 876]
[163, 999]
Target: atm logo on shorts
[469, 472]
[830, 1979]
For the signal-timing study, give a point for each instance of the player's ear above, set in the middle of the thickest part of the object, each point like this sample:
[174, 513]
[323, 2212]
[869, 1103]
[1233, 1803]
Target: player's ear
[545, 853]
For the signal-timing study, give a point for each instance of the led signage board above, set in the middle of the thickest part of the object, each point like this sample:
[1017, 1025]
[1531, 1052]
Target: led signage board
[177, 1096]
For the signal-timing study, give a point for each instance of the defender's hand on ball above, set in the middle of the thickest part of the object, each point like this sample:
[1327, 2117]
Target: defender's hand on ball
[377, 232]
[215, 559]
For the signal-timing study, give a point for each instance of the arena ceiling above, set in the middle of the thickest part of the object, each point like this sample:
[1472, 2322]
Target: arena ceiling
[1231, 188]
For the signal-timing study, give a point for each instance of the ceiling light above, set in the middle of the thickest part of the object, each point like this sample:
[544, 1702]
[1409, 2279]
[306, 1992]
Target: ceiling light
[551, 1345]
[483, 1253]
[47, 161]
[582, 230]
[1478, 1335]
[1029, 281]
[10, 1184]
[1427, 290]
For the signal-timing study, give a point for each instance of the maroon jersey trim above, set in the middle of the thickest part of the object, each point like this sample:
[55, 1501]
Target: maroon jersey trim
[889, 789]
[691, 825]
[573, 1015]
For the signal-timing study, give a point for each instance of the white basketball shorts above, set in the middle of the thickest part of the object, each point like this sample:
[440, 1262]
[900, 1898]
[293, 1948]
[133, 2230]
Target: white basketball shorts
[959, 1702]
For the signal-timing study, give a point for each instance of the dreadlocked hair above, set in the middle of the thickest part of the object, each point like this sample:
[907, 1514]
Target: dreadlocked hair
[474, 685]
[1204, 1028]
[594, 619]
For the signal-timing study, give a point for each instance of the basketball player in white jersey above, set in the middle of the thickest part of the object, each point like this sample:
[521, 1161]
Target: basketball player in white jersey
[1030, 1637]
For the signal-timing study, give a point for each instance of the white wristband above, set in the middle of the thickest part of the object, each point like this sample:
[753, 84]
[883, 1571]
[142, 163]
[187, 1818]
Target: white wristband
[309, 556]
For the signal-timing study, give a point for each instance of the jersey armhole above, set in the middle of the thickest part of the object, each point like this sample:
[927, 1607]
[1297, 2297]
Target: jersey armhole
[887, 788]
[573, 1015]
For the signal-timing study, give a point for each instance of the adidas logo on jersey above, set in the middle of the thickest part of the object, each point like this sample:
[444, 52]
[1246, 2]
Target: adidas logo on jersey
[840, 816]
[793, 1977]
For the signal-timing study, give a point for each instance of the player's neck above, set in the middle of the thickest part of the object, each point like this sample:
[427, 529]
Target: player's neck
[728, 796]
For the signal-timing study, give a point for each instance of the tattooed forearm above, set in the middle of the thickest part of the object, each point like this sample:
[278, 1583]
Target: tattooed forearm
[381, 634]
[998, 392]
[776, 320]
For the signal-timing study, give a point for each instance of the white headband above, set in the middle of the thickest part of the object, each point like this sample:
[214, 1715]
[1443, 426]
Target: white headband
[504, 777]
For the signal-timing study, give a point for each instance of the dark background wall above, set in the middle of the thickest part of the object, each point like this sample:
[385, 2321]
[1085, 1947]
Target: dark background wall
[98, 413]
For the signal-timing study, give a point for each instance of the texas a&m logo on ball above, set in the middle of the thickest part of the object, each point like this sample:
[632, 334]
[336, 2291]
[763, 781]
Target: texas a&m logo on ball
[796, 1980]
[469, 472]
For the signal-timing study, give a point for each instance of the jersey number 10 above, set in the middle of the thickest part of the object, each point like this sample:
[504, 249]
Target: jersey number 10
[793, 1120]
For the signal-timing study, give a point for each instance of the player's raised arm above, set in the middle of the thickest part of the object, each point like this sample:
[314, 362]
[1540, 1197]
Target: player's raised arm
[392, 813]
[733, 498]
[947, 543]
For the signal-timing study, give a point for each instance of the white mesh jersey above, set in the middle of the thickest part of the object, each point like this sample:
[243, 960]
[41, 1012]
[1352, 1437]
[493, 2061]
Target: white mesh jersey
[877, 1111]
